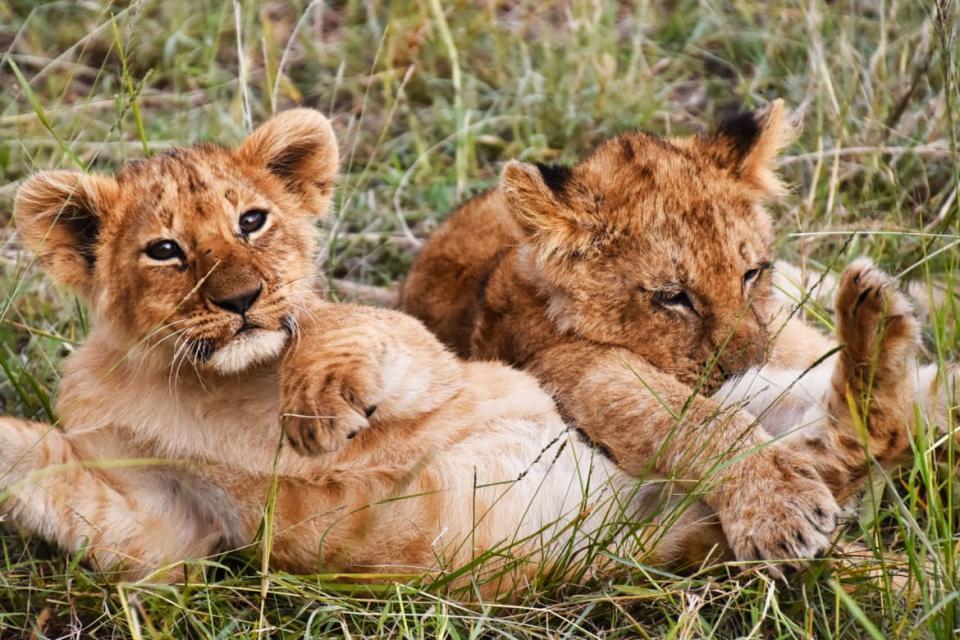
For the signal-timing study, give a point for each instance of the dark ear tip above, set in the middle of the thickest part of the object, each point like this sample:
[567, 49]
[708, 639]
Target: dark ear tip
[741, 130]
[555, 176]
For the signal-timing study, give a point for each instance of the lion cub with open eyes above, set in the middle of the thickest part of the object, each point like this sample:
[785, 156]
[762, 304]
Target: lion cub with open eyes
[197, 267]
[636, 282]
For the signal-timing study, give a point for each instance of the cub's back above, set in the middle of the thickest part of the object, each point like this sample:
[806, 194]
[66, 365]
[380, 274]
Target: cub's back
[450, 273]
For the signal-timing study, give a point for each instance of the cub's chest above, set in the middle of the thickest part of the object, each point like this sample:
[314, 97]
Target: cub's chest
[232, 421]
[235, 422]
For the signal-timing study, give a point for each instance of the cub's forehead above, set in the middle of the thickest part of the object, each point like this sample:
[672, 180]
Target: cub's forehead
[644, 160]
[678, 237]
[644, 173]
[191, 185]
[189, 170]
[712, 235]
[668, 197]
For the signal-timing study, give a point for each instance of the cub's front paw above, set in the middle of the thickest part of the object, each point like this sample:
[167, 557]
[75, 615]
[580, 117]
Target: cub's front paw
[780, 512]
[320, 414]
[876, 326]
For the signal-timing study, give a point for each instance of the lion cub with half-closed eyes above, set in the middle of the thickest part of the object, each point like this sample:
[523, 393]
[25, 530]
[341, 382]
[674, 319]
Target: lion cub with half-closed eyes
[637, 282]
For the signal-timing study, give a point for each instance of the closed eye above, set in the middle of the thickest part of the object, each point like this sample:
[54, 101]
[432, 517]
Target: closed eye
[673, 299]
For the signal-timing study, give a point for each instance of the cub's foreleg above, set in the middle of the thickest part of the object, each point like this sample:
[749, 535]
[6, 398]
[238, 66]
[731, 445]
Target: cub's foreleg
[350, 367]
[49, 490]
[769, 501]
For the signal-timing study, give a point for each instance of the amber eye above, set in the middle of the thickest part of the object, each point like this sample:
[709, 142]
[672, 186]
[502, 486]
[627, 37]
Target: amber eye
[674, 300]
[252, 220]
[164, 250]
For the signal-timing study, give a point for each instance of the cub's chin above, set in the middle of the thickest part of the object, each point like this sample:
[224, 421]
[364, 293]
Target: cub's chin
[248, 349]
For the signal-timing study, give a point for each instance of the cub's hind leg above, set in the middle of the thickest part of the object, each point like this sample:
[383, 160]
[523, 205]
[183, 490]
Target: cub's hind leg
[115, 519]
[865, 396]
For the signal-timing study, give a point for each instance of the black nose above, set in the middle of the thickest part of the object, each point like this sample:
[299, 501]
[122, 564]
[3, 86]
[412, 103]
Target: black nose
[239, 304]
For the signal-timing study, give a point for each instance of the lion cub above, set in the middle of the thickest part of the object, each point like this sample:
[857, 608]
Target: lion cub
[197, 265]
[637, 282]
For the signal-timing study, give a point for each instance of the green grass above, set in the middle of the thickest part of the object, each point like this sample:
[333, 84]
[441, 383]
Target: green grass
[428, 99]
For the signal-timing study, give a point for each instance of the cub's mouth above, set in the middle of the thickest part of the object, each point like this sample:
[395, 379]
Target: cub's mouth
[247, 327]
[250, 344]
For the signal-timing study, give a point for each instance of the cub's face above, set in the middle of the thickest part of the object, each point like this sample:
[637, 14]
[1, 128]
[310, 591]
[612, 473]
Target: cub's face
[199, 255]
[659, 245]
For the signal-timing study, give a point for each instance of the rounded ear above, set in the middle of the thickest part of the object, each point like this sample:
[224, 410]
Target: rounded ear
[299, 147]
[539, 198]
[748, 144]
[531, 201]
[59, 215]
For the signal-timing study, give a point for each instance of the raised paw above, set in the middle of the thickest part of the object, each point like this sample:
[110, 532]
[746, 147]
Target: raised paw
[875, 324]
[322, 415]
[879, 338]
[781, 513]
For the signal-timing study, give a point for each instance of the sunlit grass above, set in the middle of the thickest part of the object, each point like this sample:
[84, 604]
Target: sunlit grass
[428, 99]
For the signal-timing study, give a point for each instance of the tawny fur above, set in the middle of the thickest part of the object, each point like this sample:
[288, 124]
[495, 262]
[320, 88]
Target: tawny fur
[636, 282]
